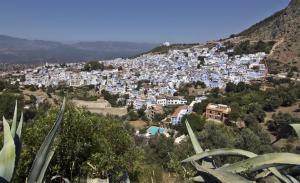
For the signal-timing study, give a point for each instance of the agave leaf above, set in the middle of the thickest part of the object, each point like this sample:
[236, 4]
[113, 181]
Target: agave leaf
[292, 179]
[65, 180]
[193, 138]
[296, 127]
[42, 154]
[7, 154]
[279, 175]
[262, 174]
[275, 172]
[220, 152]
[197, 179]
[235, 152]
[294, 171]
[45, 166]
[127, 178]
[262, 162]
[223, 176]
[19, 129]
[14, 122]
[17, 140]
[208, 162]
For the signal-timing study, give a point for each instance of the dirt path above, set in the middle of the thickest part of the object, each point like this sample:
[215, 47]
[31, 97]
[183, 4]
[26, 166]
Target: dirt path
[275, 46]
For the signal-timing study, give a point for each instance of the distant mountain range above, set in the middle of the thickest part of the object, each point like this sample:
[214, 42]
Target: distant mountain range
[17, 50]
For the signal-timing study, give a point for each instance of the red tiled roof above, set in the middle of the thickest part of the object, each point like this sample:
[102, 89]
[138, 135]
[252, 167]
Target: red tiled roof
[178, 109]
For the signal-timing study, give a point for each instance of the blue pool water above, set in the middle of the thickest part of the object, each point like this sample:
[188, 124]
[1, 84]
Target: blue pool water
[153, 130]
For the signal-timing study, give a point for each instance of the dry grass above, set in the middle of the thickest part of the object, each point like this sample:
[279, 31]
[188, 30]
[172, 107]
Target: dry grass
[139, 124]
[293, 110]
[101, 107]
[39, 93]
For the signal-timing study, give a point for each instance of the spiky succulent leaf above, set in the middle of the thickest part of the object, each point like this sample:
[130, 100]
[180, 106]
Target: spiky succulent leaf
[220, 152]
[44, 150]
[197, 147]
[296, 127]
[65, 180]
[279, 175]
[292, 179]
[14, 122]
[19, 129]
[7, 154]
[45, 166]
[223, 176]
[127, 178]
[234, 152]
[17, 140]
[262, 162]
[197, 179]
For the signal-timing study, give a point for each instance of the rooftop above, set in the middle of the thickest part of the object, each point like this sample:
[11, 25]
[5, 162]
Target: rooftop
[219, 107]
[178, 109]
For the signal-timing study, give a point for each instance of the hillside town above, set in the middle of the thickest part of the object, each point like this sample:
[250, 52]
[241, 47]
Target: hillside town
[163, 74]
[167, 71]
[94, 92]
[151, 81]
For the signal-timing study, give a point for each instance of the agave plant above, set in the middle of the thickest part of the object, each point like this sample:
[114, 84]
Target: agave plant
[252, 169]
[10, 152]
[45, 153]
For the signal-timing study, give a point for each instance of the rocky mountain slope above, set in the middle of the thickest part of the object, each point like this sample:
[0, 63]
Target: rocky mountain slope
[284, 28]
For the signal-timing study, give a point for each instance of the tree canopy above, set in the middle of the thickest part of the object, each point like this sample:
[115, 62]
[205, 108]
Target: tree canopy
[84, 139]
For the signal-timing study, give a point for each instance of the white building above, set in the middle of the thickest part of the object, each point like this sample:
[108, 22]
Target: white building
[179, 112]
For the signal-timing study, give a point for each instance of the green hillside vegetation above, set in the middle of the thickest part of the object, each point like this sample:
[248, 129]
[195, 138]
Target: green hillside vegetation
[249, 103]
[164, 49]
[108, 143]
[247, 47]
[262, 23]
[85, 138]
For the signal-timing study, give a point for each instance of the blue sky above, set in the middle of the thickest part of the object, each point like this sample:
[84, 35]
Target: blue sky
[132, 20]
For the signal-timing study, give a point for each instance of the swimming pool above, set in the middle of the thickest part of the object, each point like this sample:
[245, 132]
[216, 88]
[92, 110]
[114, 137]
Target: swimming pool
[153, 130]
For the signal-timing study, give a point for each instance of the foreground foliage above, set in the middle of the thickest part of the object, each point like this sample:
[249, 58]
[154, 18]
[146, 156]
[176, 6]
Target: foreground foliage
[88, 145]
[254, 169]
[9, 154]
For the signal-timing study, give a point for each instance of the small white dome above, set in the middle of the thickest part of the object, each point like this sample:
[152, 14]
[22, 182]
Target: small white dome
[166, 44]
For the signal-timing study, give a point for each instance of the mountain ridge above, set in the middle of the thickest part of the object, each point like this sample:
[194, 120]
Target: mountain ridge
[284, 28]
[19, 50]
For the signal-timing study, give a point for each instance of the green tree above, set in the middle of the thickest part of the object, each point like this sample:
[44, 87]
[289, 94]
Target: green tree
[257, 111]
[158, 150]
[195, 120]
[272, 103]
[7, 104]
[93, 65]
[132, 115]
[84, 139]
[3, 85]
[141, 112]
[200, 107]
